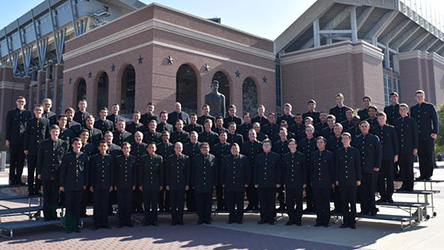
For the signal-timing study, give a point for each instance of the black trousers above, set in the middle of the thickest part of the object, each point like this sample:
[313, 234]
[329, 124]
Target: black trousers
[385, 179]
[124, 203]
[137, 200]
[348, 199]
[220, 198]
[150, 202]
[203, 206]
[177, 200]
[252, 197]
[87, 198]
[322, 201]
[309, 197]
[406, 169]
[367, 188]
[34, 184]
[426, 154]
[281, 196]
[294, 204]
[17, 162]
[191, 200]
[101, 206]
[164, 199]
[50, 199]
[267, 201]
[336, 198]
[73, 201]
[235, 205]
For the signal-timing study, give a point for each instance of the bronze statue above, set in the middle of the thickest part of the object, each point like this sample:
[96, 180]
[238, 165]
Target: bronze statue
[215, 100]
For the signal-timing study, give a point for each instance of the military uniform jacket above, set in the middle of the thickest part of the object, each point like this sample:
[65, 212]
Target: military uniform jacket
[210, 137]
[318, 127]
[37, 130]
[289, 118]
[294, 169]
[120, 137]
[155, 137]
[389, 140]
[151, 172]
[67, 135]
[346, 125]
[204, 173]
[75, 126]
[328, 133]
[138, 149]
[339, 113]
[49, 158]
[334, 143]
[235, 172]
[267, 172]
[146, 118]
[235, 138]
[132, 127]
[322, 169]
[243, 130]
[218, 130]
[363, 114]
[314, 115]
[80, 117]
[307, 146]
[74, 171]
[297, 129]
[348, 167]
[191, 149]
[178, 171]
[114, 118]
[426, 118]
[373, 122]
[89, 149]
[370, 152]
[126, 172]
[354, 132]
[220, 151]
[95, 136]
[281, 147]
[194, 127]
[174, 116]
[104, 125]
[407, 129]
[102, 171]
[234, 119]
[180, 136]
[165, 149]
[51, 116]
[201, 120]
[114, 150]
[16, 125]
[261, 136]
[392, 113]
[164, 127]
[271, 129]
[261, 119]
[250, 149]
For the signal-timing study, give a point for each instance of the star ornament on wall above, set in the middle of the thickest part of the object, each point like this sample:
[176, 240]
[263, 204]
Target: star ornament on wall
[113, 68]
[237, 73]
[264, 79]
[89, 74]
[206, 67]
[140, 60]
[169, 60]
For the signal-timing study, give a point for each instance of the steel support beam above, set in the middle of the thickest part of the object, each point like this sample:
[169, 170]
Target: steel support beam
[418, 41]
[364, 16]
[377, 30]
[316, 33]
[26, 52]
[59, 36]
[395, 32]
[407, 35]
[41, 45]
[74, 18]
[8, 47]
[429, 45]
[354, 25]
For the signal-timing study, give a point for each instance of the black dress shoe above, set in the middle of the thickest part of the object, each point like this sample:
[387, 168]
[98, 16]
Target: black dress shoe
[261, 222]
[249, 208]
[77, 230]
[420, 178]
[390, 200]
[173, 223]
[129, 225]
[155, 224]
[240, 222]
[208, 222]
[272, 223]
[229, 222]
[382, 200]
[119, 226]
[106, 227]
[298, 224]
[199, 222]
[94, 228]
[343, 226]
[145, 224]
[353, 226]
[289, 223]
[318, 224]
[326, 225]
[180, 223]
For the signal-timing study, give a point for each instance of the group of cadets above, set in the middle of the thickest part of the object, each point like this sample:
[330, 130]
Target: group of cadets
[159, 163]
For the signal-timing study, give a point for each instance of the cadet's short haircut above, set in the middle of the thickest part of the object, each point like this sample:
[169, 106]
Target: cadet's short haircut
[138, 132]
[84, 131]
[234, 144]
[257, 123]
[273, 114]
[152, 121]
[311, 101]
[232, 106]
[90, 117]
[165, 133]
[338, 125]
[204, 144]
[47, 100]
[193, 114]
[82, 100]
[266, 141]
[246, 113]
[283, 129]
[54, 127]
[205, 106]
[347, 134]
[151, 143]
[331, 117]
[284, 122]
[308, 118]
[321, 138]
[405, 105]
[20, 98]
[373, 107]
[381, 114]
[178, 143]
[419, 91]
[251, 130]
[163, 112]
[367, 97]
[194, 132]
[61, 116]
[137, 112]
[232, 123]
[209, 121]
[125, 143]
[310, 126]
[261, 106]
[292, 140]
[297, 114]
[348, 109]
[219, 118]
[287, 105]
[121, 120]
[362, 122]
[108, 132]
[394, 94]
[76, 139]
[340, 95]
[103, 142]
[69, 109]
[179, 120]
[38, 106]
[104, 109]
[223, 132]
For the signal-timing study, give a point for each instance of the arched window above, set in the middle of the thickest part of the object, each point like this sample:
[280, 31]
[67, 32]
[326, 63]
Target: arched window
[128, 90]
[186, 88]
[249, 97]
[81, 90]
[102, 92]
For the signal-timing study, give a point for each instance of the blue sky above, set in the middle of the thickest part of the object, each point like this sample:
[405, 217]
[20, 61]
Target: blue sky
[264, 18]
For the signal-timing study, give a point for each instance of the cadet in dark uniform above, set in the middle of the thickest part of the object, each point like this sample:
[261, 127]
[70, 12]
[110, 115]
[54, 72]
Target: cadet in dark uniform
[392, 111]
[37, 130]
[427, 119]
[370, 151]
[354, 130]
[311, 112]
[260, 118]
[208, 136]
[407, 128]
[299, 127]
[329, 132]
[232, 117]
[81, 114]
[73, 181]
[179, 135]
[95, 135]
[71, 124]
[322, 181]
[193, 126]
[235, 176]
[206, 115]
[113, 149]
[125, 184]
[372, 119]
[66, 134]
[120, 135]
[333, 144]
[220, 150]
[259, 135]
[348, 122]
[219, 125]
[245, 127]
[294, 170]
[104, 124]
[178, 170]
[115, 117]
[50, 156]
[348, 178]
[151, 181]
[178, 114]
[288, 116]
[234, 137]
[191, 149]
[89, 149]
[267, 176]
[149, 115]
[163, 125]
[318, 126]
[47, 113]
[308, 146]
[363, 113]
[164, 149]
[390, 147]
[135, 124]
[339, 110]
[15, 130]
[271, 129]
[101, 184]
[203, 181]
[250, 149]
[138, 149]
[151, 135]
[281, 147]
